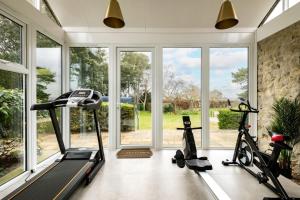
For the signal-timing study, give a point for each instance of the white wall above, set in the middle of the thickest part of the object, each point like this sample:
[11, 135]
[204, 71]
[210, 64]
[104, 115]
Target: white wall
[28, 14]
[160, 37]
[287, 18]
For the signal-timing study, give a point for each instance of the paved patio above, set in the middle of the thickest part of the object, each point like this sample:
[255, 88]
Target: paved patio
[172, 138]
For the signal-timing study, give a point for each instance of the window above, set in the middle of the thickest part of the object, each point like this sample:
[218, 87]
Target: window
[46, 9]
[277, 11]
[49, 87]
[12, 101]
[89, 69]
[181, 93]
[135, 97]
[10, 40]
[12, 122]
[228, 80]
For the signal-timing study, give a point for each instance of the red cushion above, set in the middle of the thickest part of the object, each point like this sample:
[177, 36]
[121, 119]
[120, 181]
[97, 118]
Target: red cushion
[277, 138]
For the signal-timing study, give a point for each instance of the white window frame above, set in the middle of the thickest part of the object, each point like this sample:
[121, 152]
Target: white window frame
[203, 93]
[20, 69]
[67, 88]
[252, 90]
[153, 96]
[52, 157]
[157, 90]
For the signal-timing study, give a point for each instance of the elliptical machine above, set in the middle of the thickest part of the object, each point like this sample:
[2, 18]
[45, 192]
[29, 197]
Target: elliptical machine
[247, 153]
[189, 155]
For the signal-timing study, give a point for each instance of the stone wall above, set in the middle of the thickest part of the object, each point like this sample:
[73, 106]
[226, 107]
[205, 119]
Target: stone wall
[278, 76]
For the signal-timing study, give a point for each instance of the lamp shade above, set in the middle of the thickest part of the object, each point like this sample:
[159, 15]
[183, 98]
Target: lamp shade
[114, 17]
[227, 17]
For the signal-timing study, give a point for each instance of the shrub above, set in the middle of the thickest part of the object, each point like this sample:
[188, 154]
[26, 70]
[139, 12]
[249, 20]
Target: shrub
[190, 112]
[140, 107]
[228, 119]
[168, 108]
[11, 105]
[85, 120]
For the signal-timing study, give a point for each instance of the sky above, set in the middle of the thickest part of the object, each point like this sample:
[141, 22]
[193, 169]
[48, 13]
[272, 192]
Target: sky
[51, 59]
[186, 63]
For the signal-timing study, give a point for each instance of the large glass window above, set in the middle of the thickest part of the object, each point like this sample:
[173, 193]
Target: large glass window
[10, 40]
[12, 102]
[135, 97]
[228, 80]
[12, 122]
[49, 87]
[181, 93]
[89, 69]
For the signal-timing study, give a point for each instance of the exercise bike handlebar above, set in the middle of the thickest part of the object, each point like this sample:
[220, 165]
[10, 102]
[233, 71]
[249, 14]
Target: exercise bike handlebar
[245, 103]
[189, 128]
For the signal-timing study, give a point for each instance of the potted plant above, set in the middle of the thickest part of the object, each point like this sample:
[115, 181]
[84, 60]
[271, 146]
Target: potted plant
[286, 120]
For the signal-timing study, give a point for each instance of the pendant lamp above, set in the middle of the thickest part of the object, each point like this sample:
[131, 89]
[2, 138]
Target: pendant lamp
[227, 17]
[114, 17]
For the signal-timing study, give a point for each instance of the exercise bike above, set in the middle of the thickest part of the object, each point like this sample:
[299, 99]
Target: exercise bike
[189, 156]
[247, 153]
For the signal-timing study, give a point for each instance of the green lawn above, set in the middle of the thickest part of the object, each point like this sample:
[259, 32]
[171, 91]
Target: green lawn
[171, 120]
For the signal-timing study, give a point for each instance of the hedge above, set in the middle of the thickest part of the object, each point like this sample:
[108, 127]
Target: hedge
[85, 120]
[228, 119]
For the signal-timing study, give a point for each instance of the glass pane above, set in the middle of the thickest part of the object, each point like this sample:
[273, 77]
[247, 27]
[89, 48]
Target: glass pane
[89, 69]
[181, 93]
[135, 97]
[10, 40]
[45, 9]
[228, 80]
[293, 2]
[48, 69]
[277, 11]
[12, 121]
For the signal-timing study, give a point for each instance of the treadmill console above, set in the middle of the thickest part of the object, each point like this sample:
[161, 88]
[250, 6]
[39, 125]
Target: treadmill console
[79, 96]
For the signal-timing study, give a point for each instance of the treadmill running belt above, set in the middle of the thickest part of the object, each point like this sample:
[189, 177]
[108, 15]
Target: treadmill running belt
[51, 183]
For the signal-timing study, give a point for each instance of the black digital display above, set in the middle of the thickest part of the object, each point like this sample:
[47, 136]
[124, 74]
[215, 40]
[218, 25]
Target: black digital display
[81, 93]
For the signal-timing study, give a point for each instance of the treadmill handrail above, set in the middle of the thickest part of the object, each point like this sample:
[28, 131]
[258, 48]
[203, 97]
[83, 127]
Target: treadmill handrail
[87, 103]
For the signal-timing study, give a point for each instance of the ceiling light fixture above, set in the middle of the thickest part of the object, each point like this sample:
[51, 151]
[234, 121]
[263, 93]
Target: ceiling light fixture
[227, 17]
[114, 17]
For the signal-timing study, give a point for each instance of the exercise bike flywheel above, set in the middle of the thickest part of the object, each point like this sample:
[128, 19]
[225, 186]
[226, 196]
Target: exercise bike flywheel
[245, 153]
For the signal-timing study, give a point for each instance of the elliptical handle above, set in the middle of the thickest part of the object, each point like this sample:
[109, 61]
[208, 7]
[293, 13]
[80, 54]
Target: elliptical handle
[180, 129]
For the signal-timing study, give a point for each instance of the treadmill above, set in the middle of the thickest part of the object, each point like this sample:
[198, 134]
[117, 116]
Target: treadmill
[75, 165]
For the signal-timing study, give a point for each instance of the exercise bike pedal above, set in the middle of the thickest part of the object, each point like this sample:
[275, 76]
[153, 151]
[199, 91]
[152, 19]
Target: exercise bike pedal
[174, 160]
[262, 178]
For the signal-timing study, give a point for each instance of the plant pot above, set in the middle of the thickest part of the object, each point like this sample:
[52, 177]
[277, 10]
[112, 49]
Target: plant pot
[287, 172]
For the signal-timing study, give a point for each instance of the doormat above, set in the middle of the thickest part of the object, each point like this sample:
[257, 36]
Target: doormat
[135, 153]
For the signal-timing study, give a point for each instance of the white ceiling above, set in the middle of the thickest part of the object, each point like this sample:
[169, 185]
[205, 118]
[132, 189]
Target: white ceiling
[192, 14]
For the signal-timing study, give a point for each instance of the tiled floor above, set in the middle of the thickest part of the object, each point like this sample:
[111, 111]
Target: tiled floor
[156, 178]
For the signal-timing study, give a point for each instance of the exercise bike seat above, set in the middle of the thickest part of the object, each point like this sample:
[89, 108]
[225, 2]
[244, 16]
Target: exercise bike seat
[198, 165]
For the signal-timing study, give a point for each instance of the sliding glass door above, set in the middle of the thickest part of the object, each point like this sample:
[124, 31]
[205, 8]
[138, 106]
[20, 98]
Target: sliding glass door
[134, 97]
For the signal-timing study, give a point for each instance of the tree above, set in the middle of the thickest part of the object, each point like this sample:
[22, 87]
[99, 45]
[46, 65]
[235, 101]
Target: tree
[241, 77]
[10, 40]
[136, 77]
[216, 95]
[44, 78]
[89, 68]
[192, 94]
